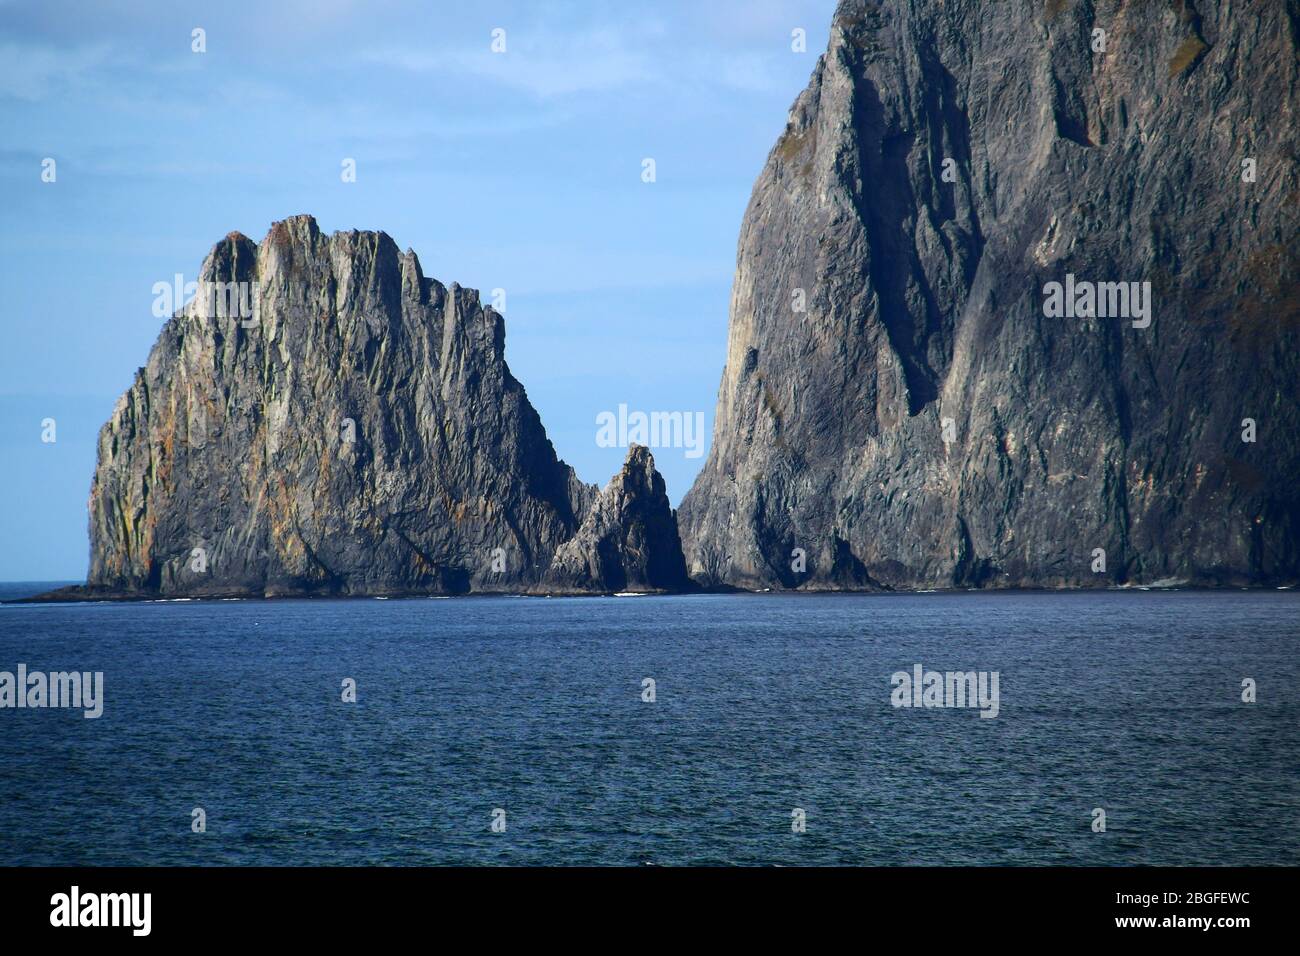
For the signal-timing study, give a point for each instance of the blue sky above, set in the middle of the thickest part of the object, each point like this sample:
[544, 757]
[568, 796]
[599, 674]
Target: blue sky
[519, 171]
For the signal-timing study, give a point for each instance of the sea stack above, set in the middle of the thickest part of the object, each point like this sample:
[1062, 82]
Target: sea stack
[322, 419]
[628, 542]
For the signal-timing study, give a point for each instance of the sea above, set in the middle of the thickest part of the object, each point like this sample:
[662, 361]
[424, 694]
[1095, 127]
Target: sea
[1132, 727]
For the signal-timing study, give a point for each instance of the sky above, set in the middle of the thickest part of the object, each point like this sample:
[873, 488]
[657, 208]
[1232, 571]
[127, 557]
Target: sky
[520, 170]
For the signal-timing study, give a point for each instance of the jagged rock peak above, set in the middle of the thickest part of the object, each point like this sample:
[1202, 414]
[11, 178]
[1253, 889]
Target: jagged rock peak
[628, 540]
[322, 419]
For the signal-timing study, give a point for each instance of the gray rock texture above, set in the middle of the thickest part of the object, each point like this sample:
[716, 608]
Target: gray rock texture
[628, 540]
[924, 301]
[357, 432]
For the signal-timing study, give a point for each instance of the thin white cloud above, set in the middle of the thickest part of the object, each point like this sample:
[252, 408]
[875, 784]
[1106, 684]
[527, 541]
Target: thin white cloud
[34, 72]
[547, 64]
[555, 64]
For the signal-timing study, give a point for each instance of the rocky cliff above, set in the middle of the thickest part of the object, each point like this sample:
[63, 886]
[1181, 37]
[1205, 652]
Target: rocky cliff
[628, 540]
[323, 419]
[908, 400]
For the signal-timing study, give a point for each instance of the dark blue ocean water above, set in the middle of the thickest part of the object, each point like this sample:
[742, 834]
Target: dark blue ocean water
[1126, 701]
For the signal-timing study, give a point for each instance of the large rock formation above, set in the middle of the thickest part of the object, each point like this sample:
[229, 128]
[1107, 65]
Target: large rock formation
[897, 410]
[628, 541]
[347, 427]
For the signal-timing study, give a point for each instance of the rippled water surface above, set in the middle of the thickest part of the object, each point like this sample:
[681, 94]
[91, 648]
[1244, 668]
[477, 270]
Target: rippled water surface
[1130, 702]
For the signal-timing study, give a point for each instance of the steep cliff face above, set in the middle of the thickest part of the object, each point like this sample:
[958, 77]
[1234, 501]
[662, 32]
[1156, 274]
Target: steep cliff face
[347, 426]
[897, 408]
[628, 540]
